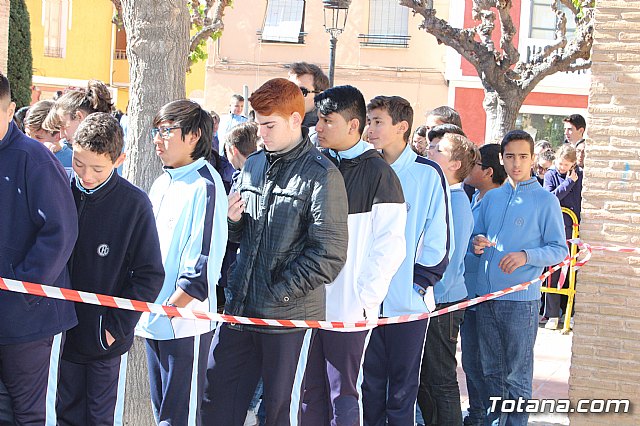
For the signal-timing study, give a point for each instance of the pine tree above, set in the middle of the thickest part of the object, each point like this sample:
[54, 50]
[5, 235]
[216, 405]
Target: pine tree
[20, 60]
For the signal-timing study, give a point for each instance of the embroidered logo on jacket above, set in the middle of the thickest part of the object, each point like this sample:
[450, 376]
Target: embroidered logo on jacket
[103, 250]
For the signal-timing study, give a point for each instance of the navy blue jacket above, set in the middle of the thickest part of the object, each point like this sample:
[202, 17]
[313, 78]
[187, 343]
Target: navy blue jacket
[569, 193]
[118, 254]
[38, 228]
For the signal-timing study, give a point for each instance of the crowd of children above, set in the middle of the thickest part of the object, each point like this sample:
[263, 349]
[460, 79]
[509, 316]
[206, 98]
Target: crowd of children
[317, 225]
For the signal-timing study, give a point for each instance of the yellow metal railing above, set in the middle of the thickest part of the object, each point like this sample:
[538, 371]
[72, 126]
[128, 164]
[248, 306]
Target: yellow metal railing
[570, 292]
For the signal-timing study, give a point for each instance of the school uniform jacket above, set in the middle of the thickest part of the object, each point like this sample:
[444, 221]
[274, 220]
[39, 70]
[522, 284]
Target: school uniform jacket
[428, 234]
[190, 205]
[376, 223]
[38, 228]
[118, 254]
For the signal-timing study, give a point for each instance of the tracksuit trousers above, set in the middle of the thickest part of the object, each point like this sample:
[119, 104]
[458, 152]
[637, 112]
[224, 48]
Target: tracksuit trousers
[392, 373]
[30, 373]
[237, 360]
[177, 370]
[333, 382]
[92, 393]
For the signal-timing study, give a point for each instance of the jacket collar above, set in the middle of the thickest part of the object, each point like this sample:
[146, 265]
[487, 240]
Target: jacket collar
[100, 192]
[301, 148]
[527, 185]
[406, 159]
[180, 172]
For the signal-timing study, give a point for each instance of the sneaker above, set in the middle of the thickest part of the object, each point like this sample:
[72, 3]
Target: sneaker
[543, 320]
[552, 324]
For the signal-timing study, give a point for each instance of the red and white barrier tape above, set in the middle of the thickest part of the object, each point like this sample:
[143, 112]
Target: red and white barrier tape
[136, 305]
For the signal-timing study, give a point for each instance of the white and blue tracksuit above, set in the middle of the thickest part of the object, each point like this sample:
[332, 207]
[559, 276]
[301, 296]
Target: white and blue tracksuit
[190, 206]
[392, 361]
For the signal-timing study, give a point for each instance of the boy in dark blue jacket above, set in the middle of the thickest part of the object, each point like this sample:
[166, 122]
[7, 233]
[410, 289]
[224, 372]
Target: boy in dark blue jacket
[118, 254]
[38, 227]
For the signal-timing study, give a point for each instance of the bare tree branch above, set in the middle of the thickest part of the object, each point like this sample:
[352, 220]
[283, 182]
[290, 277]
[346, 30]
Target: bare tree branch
[506, 78]
[212, 24]
[511, 54]
[461, 40]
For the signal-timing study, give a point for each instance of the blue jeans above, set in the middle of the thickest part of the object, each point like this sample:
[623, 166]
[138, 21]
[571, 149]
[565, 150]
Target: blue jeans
[507, 332]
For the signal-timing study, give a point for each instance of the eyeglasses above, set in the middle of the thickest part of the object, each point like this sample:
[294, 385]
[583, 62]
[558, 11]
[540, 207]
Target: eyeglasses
[164, 132]
[306, 91]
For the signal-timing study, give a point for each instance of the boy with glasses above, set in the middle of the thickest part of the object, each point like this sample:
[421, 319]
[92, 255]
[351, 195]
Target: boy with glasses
[439, 394]
[190, 206]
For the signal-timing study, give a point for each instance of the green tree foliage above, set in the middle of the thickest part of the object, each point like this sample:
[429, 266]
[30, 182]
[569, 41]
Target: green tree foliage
[20, 59]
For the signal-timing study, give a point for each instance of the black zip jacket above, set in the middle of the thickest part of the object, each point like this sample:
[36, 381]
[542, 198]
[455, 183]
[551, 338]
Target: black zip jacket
[117, 254]
[293, 236]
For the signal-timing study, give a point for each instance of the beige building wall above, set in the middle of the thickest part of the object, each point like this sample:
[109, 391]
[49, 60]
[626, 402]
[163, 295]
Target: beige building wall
[239, 58]
[4, 35]
[606, 343]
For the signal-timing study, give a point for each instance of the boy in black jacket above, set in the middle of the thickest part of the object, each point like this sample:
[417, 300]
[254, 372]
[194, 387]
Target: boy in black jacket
[118, 254]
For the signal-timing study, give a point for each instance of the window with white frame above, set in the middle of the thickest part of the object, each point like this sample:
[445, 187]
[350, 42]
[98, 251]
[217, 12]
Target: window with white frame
[55, 18]
[284, 21]
[543, 20]
[388, 24]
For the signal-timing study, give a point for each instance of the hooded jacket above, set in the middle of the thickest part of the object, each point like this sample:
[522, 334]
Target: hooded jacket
[38, 228]
[292, 235]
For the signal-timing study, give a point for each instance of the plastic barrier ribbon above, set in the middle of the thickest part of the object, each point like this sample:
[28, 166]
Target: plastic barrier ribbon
[136, 305]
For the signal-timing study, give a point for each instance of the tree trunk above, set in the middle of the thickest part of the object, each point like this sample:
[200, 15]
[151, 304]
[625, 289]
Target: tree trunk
[501, 111]
[157, 49]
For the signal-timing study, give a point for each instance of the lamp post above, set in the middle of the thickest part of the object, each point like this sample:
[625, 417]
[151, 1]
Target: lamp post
[335, 19]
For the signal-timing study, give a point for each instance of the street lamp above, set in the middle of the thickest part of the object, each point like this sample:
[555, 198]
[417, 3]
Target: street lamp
[335, 19]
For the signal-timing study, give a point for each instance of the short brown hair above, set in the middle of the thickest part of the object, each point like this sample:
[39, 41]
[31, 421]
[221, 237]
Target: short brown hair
[447, 115]
[398, 108]
[320, 80]
[465, 151]
[278, 96]
[101, 133]
[244, 137]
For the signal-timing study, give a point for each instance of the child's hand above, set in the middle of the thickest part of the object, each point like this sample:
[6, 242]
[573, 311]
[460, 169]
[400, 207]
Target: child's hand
[512, 261]
[236, 207]
[110, 338]
[573, 175]
[480, 242]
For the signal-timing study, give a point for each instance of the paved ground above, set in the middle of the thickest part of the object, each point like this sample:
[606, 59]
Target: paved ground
[550, 374]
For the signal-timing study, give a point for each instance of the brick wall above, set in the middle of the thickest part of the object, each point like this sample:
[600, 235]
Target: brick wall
[606, 342]
[4, 34]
